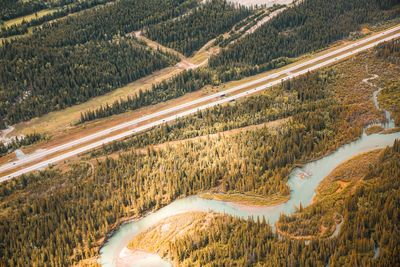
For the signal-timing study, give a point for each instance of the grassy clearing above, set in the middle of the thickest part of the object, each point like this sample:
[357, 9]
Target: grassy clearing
[28, 18]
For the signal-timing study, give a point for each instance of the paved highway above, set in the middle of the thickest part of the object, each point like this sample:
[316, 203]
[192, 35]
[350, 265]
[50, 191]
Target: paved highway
[211, 101]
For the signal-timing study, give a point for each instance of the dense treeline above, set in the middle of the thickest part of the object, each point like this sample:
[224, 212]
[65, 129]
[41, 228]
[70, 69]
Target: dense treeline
[11, 8]
[389, 51]
[306, 27]
[71, 60]
[2, 123]
[370, 235]
[45, 78]
[24, 26]
[190, 32]
[242, 27]
[389, 97]
[18, 142]
[179, 85]
[120, 18]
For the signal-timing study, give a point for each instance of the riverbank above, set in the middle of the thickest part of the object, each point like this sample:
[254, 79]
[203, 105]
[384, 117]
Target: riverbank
[246, 199]
[322, 217]
[156, 240]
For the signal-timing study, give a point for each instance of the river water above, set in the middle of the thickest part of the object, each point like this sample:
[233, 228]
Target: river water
[302, 181]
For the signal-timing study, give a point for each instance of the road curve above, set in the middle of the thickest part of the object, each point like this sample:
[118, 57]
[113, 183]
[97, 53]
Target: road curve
[212, 100]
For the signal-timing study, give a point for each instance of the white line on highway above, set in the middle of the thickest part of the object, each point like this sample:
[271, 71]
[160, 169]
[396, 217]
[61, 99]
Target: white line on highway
[290, 72]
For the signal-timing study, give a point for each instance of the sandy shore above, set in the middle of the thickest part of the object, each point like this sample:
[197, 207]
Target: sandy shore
[140, 258]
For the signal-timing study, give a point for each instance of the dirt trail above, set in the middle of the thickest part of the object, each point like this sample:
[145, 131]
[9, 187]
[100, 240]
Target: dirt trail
[4, 133]
[261, 2]
[185, 63]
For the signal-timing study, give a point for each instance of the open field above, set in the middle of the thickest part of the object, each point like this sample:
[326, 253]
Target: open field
[28, 18]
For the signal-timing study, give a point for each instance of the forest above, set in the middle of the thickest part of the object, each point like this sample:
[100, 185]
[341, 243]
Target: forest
[64, 214]
[63, 58]
[227, 72]
[55, 60]
[61, 12]
[71, 60]
[371, 218]
[390, 96]
[46, 78]
[60, 216]
[116, 19]
[12, 9]
[190, 32]
[303, 28]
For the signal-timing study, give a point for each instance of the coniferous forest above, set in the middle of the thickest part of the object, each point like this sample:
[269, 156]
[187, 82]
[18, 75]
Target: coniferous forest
[45, 78]
[371, 217]
[306, 27]
[62, 215]
[74, 59]
[179, 85]
[266, 51]
[12, 9]
[65, 213]
[190, 32]
[23, 28]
